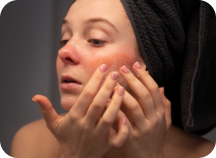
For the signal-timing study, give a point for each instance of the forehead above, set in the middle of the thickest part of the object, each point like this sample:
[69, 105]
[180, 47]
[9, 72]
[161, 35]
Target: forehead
[113, 10]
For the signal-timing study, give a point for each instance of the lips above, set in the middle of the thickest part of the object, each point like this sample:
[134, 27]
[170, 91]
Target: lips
[68, 83]
[68, 79]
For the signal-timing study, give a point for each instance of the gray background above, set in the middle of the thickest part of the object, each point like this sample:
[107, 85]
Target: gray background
[29, 32]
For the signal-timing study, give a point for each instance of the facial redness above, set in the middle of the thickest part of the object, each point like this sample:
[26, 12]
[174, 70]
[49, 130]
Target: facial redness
[114, 61]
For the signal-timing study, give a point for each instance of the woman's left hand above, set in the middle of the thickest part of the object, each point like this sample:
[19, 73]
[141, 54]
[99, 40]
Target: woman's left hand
[150, 115]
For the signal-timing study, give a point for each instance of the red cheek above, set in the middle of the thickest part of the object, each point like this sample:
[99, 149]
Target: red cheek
[114, 61]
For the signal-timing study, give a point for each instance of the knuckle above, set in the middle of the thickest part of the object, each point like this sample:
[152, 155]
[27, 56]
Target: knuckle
[74, 117]
[89, 93]
[162, 112]
[125, 133]
[83, 125]
[86, 127]
[116, 102]
[135, 135]
[132, 79]
[146, 131]
[142, 93]
[156, 121]
[118, 144]
[134, 107]
[97, 104]
[106, 121]
[98, 77]
[146, 95]
[154, 89]
[108, 87]
[115, 144]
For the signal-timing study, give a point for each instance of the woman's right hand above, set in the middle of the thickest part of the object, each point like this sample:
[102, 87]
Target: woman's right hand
[83, 133]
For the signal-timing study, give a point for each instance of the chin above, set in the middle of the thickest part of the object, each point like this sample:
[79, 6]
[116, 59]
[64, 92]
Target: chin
[67, 102]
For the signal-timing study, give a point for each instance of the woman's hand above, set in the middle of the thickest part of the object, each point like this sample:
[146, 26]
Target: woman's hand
[149, 119]
[82, 133]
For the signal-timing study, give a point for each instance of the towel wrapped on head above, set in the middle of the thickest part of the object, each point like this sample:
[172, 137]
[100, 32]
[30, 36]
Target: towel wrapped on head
[178, 45]
[173, 36]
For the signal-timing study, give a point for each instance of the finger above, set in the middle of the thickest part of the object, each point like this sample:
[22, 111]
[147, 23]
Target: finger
[135, 111]
[151, 85]
[86, 97]
[118, 139]
[121, 114]
[49, 114]
[107, 104]
[98, 104]
[111, 112]
[167, 107]
[143, 96]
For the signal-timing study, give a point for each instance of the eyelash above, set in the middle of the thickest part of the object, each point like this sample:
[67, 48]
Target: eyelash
[101, 43]
[62, 42]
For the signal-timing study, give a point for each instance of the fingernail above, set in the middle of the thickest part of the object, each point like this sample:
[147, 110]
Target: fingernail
[125, 69]
[114, 75]
[103, 68]
[137, 65]
[124, 121]
[120, 91]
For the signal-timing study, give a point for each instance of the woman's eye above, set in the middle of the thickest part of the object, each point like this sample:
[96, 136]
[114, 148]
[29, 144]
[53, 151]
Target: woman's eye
[96, 43]
[63, 42]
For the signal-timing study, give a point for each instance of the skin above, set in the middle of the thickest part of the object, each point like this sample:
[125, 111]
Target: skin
[88, 42]
[142, 103]
[118, 49]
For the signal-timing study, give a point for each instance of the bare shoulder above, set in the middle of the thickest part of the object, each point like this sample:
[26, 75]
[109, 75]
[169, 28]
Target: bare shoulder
[35, 140]
[179, 144]
[205, 147]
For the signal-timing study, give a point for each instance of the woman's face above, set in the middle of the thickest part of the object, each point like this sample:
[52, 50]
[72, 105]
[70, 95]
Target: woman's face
[94, 32]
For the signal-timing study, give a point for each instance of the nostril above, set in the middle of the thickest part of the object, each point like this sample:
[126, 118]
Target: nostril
[69, 59]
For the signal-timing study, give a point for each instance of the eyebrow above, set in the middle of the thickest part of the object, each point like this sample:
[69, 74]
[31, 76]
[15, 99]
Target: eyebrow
[95, 20]
[65, 22]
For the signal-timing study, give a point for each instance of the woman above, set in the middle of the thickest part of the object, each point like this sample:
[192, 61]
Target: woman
[100, 66]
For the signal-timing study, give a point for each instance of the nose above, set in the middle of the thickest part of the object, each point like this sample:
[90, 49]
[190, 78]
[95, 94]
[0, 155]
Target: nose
[69, 54]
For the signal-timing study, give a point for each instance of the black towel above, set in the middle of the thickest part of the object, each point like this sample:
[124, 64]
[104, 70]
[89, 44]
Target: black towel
[177, 42]
[173, 36]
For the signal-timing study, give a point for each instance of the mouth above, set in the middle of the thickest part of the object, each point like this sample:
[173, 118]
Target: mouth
[68, 82]
[68, 79]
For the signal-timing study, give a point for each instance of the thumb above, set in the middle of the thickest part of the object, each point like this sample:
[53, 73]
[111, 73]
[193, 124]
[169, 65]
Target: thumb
[49, 114]
[167, 108]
